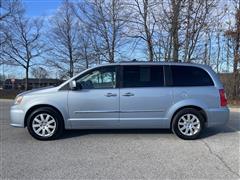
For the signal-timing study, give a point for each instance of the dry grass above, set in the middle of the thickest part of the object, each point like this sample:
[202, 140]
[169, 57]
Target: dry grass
[234, 103]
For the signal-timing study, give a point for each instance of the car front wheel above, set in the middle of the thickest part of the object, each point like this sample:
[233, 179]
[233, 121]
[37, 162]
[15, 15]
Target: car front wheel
[45, 124]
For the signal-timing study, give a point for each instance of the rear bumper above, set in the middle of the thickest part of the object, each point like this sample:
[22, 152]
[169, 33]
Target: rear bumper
[218, 116]
[17, 117]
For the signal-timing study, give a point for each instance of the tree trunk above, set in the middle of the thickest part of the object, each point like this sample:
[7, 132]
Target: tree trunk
[228, 54]
[236, 56]
[113, 44]
[169, 51]
[26, 80]
[150, 49]
[205, 53]
[235, 69]
[187, 33]
[86, 56]
[147, 31]
[71, 68]
[218, 52]
[175, 28]
[70, 56]
[87, 64]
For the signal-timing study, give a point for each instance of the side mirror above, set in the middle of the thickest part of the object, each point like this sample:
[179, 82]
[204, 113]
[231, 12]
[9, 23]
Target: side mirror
[73, 85]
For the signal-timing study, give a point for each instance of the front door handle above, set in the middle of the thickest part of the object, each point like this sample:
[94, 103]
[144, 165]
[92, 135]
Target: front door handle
[128, 94]
[110, 95]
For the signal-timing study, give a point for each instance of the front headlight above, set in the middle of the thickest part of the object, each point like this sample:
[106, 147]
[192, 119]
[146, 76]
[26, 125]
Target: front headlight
[18, 100]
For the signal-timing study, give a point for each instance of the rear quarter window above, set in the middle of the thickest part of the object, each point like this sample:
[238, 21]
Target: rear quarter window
[190, 76]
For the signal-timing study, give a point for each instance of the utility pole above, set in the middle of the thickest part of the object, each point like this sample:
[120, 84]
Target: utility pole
[3, 72]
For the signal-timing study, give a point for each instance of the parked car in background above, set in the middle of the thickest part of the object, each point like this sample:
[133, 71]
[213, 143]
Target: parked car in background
[183, 97]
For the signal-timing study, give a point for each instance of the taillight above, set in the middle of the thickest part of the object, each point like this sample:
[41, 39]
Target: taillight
[223, 99]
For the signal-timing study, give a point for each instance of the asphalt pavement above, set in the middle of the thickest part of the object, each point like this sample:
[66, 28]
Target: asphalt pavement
[120, 154]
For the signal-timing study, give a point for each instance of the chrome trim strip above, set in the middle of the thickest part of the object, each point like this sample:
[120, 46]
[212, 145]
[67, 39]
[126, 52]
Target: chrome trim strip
[142, 119]
[113, 111]
[94, 119]
[133, 111]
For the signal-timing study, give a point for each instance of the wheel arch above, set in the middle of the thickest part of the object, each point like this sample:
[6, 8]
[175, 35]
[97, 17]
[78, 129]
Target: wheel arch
[35, 107]
[198, 108]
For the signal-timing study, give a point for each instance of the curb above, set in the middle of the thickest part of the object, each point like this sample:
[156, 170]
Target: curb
[235, 109]
[6, 100]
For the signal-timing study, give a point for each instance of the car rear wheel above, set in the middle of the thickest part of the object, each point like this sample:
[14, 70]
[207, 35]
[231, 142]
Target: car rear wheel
[45, 124]
[188, 124]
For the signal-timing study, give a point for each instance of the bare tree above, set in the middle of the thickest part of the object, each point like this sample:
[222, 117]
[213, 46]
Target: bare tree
[8, 9]
[170, 22]
[163, 30]
[181, 27]
[142, 23]
[39, 73]
[235, 35]
[87, 52]
[23, 44]
[198, 17]
[228, 46]
[175, 5]
[219, 59]
[207, 47]
[63, 40]
[105, 20]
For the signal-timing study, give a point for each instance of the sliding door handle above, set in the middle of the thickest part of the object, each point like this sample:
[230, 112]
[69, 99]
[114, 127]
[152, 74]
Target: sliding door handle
[110, 95]
[128, 94]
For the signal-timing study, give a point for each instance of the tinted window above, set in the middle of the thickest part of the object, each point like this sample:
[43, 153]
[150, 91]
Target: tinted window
[100, 78]
[190, 76]
[143, 76]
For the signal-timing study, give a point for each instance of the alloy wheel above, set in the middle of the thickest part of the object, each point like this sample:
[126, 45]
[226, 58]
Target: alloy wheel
[44, 125]
[189, 124]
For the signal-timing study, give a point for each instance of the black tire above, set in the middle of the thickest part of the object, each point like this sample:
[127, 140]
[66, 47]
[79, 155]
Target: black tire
[176, 127]
[59, 124]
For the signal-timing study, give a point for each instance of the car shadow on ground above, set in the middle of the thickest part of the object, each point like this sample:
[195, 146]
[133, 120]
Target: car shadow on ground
[223, 129]
[208, 132]
[76, 133]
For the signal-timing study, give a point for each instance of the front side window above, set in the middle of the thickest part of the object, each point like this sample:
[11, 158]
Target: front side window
[100, 78]
[143, 76]
[190, 76]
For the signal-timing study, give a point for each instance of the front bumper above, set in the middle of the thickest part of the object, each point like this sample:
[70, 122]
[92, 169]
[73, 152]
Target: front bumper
[218, 116]
[17, 116]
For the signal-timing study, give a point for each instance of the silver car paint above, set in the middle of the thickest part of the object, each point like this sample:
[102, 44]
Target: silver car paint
[93, 109]
[147, 108]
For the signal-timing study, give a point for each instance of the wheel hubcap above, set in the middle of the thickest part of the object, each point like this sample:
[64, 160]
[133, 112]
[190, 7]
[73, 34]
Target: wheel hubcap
[189, 124]
[44, 125]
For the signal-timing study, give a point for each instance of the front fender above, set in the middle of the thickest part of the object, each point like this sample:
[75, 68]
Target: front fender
[59, 103]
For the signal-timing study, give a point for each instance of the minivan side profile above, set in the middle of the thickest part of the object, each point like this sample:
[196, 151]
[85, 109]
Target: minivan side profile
[183, 97]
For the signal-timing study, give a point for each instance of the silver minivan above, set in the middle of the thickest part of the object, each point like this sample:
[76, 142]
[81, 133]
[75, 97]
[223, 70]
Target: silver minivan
[183, 97]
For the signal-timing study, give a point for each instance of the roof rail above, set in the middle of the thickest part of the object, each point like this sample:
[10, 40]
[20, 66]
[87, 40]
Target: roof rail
[135, 60]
